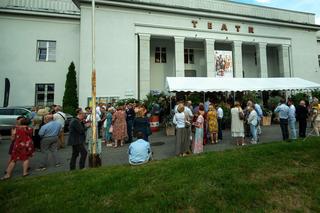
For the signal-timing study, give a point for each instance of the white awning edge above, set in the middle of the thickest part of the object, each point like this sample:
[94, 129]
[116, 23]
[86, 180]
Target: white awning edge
[211, 84]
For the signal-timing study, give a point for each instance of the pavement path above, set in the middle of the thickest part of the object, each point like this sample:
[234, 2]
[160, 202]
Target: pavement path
[162, 147]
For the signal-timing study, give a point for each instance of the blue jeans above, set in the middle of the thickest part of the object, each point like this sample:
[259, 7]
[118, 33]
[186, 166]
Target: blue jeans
[292, 127]
[253, 130]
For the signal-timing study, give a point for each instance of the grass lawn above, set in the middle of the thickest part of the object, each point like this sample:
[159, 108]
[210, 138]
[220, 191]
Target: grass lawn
[275, 177]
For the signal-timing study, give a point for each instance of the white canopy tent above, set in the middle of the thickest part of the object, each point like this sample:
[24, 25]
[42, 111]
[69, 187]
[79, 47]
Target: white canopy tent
[209, 84]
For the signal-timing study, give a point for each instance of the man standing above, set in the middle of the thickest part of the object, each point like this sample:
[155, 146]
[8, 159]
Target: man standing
[292, 120]
[220, 117]
[49, 141]
[60, 117]
[283, 111]
[77, 139]
[139, 151]
[130, 117]
[302, 116]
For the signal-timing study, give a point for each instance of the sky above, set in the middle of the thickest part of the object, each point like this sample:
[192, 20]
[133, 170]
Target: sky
[312, 6]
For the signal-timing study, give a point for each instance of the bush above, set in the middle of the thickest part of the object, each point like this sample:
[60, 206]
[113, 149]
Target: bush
[70, 98]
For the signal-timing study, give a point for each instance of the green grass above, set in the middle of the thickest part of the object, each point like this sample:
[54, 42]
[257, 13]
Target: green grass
[275, 177]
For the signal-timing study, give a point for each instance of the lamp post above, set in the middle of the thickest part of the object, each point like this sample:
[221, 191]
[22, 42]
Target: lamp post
[94, 158]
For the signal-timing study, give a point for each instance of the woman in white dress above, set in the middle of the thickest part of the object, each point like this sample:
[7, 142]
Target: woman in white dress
[237, 127]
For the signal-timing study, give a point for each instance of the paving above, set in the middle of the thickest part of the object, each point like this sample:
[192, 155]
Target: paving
[162, 147]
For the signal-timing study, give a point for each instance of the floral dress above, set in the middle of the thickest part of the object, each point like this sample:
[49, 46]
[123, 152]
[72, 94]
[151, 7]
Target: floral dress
[212, 121]
[23, 146]
[119, 125]
[197, 145]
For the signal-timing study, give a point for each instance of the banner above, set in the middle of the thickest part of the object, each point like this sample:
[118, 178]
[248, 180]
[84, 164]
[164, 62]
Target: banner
[224, 68]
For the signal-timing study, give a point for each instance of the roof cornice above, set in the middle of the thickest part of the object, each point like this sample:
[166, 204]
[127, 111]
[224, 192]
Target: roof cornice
[199, 12]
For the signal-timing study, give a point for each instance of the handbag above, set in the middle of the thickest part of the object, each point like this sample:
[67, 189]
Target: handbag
[187, 123]
[241, 115]
[111, 129]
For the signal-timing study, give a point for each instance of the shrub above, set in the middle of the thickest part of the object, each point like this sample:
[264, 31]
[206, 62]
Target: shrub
[70, 98]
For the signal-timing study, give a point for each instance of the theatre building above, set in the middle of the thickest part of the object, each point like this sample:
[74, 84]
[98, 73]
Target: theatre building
[141, 42]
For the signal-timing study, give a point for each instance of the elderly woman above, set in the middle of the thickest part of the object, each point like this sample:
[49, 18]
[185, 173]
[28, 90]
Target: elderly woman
[141, 124]
[182, 136]
[119, 126]
[237, 126]
[253, 122]
[212, 120]
[107, 126]
[22, 148]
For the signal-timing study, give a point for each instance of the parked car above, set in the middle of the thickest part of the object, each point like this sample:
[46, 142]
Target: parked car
[8, 116]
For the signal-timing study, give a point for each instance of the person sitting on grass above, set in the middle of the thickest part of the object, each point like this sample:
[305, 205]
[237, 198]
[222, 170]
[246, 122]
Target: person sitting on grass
[139, 151]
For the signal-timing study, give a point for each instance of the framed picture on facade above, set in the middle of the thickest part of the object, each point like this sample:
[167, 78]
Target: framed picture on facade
[224, 68]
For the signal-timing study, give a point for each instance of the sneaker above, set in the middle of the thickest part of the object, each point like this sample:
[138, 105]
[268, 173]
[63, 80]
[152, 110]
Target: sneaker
[41, 168]
[58, 165]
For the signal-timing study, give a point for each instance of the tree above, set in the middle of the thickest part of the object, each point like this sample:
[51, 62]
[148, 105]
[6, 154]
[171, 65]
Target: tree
[70, 97]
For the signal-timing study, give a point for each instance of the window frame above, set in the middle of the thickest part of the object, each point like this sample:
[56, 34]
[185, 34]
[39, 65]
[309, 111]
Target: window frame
[187, 55]
[45, 92]
[49, 49]
[160, 55]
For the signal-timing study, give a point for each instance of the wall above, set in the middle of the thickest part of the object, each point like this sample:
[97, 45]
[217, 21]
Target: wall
[159, 71]
[18, 51]
[250, 67]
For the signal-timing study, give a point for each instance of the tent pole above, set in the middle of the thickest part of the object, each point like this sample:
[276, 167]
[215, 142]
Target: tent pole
[204, 97]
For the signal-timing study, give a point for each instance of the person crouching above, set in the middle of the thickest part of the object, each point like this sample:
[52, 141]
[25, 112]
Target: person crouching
[139, 151]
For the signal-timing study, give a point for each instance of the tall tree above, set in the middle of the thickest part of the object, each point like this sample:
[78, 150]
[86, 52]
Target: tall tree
[70, 97]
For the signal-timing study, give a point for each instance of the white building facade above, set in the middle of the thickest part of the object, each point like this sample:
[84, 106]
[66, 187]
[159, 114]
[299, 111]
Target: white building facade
[141, 42]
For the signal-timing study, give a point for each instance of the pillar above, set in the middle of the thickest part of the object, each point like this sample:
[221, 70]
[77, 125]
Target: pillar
[179, 56]
[262, 59]
[144, 63]
[210, 58]
[237, 58]
[284, 60]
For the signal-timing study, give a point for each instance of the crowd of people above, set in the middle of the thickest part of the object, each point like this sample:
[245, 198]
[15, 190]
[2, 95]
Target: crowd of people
[43, 130]
[202, 124]
[196, 126]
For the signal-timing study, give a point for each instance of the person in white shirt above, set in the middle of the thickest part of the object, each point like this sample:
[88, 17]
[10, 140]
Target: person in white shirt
[292, 120]
[220, 118]
[182, 134]
[253, 122]
[60, 117]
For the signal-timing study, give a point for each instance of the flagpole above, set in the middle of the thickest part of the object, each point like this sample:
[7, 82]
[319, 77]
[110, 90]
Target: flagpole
[93, 89]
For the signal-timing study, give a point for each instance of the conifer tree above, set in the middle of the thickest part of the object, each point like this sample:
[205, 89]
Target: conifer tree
[70, 97]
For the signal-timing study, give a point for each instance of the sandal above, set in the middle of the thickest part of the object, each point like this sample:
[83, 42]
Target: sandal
[26, 175]
[5, 178]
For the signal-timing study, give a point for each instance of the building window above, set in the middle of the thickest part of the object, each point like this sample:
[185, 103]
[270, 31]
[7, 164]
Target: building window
[188, 56]
[46, 50]
[161, 55]
[319, 60]
[44, 94]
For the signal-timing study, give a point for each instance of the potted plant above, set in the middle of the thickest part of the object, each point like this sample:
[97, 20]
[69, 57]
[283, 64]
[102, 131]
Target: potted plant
[169, 126]
[267, 115]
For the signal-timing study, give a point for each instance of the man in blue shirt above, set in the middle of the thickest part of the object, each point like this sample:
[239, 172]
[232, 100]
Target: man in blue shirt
[139, 151]
[283, 111]
[49, 141]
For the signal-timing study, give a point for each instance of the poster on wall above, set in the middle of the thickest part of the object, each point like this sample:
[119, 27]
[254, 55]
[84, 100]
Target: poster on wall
[224, 63]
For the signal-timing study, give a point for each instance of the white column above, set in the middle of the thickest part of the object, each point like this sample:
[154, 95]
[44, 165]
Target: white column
[284, 66]
[210, 58]
[262, 59]
[144, 61]
[237, 58]
[179, 56]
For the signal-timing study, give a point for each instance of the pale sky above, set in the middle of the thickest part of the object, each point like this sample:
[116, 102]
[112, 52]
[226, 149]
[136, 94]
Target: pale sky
[312, 6]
